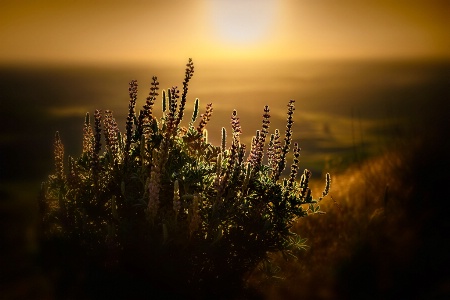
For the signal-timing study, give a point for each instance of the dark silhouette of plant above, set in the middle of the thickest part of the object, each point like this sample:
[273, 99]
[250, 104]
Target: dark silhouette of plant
[160, 209]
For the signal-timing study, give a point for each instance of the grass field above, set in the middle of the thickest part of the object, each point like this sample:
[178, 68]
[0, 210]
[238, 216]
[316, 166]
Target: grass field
[383, 235]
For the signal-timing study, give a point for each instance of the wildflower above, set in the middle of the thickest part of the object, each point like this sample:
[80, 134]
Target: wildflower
[145, 115]
[97, 148]
[112, 136]
[253, 148]
[59, 157]
[223, 143]
[235, 125]
[131, 115]
[327, 186]
[150, 101]
[88, 138]
[260, 139]
[205, 118]
[288, 135]
[164, 102]
[305, 191]
[274, 155]
[173, 94]
[194, 113]
[236, 128]
[294, 166]
[287, 141]
[188, 75]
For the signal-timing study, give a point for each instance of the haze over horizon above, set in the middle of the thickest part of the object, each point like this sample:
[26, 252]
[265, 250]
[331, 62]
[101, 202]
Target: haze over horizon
[105, 32]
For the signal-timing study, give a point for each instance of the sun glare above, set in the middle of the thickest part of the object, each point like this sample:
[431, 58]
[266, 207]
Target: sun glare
[243, 22]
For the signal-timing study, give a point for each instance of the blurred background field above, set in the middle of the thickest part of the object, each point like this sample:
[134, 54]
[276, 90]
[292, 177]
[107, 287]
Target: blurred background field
[345, 110]
[371, 88]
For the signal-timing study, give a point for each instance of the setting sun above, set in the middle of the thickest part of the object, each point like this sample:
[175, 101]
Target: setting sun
[243, 22]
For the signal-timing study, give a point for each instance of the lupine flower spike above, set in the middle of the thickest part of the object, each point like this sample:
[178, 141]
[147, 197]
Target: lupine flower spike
[327, 186]
[205, 118]
[59, 157]
[188, 75]
[88, 139]
[294, 166]
[131, 118]
[288, 136]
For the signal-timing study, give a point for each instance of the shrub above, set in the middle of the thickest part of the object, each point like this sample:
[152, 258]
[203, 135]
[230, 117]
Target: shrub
[158, 208]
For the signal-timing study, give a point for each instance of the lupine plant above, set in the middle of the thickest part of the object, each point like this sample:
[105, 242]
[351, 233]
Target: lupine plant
[164, 206]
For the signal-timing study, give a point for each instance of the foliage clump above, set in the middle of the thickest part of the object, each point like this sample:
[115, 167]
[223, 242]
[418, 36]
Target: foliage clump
[162, 206]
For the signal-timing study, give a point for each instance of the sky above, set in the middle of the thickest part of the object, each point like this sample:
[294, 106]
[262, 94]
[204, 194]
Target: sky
[115, 31]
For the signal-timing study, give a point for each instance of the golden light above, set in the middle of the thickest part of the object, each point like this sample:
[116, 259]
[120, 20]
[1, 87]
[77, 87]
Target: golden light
[243, 23]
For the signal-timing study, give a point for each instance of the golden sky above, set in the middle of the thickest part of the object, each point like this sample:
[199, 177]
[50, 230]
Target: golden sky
[105, 31]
